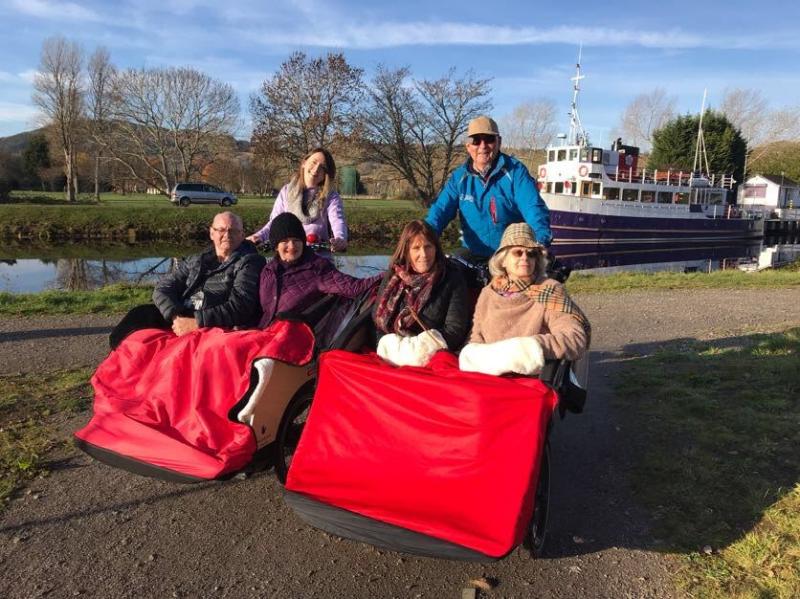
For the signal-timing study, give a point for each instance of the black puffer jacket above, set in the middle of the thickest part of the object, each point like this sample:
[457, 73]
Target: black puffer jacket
[448, 310]
[225, 294]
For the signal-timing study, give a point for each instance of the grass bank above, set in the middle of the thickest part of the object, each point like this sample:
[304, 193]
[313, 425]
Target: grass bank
[30, 408]
[373, 222]
[722, 279]
[716, 426]
[119, 298]
[113, 299]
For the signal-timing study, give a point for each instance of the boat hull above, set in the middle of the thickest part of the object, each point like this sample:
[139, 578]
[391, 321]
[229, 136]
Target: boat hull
[589, 221]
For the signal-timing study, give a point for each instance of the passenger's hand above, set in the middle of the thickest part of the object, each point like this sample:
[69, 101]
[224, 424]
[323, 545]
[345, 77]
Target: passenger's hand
[416, 350]
[338, 244]
[254, 239]
[183, 325]
[523, 355]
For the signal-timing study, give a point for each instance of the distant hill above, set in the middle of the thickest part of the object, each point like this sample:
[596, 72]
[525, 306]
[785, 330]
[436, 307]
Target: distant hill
[15, 144]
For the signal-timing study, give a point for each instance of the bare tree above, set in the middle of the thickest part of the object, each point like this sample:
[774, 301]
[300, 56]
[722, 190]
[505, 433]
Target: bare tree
[58, 92]
[414, 128]
[101, 74]
[307, 103]
[167, 124]
[646, 114]
[531, 125]
[783, 124]
[747, 110]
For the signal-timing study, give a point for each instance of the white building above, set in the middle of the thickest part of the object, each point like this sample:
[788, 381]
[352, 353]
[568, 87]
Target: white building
[772, 191]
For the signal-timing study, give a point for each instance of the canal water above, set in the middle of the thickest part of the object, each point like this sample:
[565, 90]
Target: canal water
[80, 267]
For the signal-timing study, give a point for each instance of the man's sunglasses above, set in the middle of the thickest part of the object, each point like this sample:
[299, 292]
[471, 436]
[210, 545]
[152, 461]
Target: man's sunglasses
[517, 252]
[489, 140]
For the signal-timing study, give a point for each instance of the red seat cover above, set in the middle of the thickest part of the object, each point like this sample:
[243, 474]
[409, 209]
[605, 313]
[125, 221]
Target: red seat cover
[446, 453]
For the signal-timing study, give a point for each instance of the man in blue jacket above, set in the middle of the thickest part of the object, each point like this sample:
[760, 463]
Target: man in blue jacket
[490, 191]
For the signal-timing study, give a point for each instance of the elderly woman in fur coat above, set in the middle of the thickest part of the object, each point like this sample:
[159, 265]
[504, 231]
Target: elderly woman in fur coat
[523, 318]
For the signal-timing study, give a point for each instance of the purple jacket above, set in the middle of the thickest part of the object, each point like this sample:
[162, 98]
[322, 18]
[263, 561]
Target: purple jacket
[296, 286]
[332, 212]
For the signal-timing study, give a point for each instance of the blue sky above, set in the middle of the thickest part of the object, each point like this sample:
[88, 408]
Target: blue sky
[528, 48]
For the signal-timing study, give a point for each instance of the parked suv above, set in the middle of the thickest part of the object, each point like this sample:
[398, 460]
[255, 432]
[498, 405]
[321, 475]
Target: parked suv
[200, 193]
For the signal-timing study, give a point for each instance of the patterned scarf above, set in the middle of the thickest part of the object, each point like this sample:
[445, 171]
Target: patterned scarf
[552, 297]
[405, 289]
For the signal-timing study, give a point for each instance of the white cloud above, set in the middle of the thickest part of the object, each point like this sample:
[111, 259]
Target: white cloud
[393, 34]
[12, 112]
[28, 76]
[51, 9]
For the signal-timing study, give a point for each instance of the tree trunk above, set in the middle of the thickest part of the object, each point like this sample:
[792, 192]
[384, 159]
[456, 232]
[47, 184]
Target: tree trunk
[97, 176]
[69, 172]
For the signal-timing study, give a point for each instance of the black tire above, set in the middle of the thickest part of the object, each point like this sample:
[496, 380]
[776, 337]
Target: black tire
[225, 202]
[537, 533]
[290, 430]
[185, 202]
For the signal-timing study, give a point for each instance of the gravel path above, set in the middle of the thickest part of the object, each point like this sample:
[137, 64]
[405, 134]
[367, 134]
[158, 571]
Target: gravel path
[90, 530]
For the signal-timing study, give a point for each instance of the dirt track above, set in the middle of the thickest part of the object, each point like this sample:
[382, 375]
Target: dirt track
[90, 530]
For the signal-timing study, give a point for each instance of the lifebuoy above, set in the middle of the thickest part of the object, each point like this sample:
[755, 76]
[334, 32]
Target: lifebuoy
[583, 171]
[542, 173]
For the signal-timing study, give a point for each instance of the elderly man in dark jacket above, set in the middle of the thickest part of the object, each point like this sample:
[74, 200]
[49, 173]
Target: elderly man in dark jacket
[217, 288]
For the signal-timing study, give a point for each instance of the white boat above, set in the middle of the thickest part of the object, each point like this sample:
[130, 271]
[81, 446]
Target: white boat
[601, 196]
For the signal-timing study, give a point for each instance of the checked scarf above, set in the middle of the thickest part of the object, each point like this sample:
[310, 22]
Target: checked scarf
[552, 297]
[405, 289]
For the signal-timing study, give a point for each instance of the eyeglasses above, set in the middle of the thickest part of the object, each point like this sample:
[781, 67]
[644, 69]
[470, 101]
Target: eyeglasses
[489, 140]
[223, 230]
[517, 252]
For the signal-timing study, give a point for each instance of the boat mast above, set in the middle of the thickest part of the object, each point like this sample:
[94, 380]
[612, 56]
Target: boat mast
[700, 146]
[577, 136]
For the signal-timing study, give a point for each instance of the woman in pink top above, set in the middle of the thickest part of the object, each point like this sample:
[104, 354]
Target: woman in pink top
[312, 197]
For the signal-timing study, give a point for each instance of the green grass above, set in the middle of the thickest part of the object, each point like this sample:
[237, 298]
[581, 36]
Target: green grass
[119, 298]
[716, 428]
[721, 279]
[33, 216]
[113, 299]
[29, 405]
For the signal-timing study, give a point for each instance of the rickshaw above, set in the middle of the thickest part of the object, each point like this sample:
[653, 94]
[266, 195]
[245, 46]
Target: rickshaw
[240, 426]
[429, 461]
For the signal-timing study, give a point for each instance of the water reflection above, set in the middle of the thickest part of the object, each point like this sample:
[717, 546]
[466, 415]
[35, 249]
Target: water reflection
[41, 271]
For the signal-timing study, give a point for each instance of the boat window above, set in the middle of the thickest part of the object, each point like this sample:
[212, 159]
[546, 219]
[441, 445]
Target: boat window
[630, 195]
[550, 187]
[584, 154]
[595, 189]
[648, 196]
[559, 187]
[586, 188]
[573, 153]
[664, 197]
[681, 198]
[551, 156]
[562, 155]
[611, 193]
[597, 155]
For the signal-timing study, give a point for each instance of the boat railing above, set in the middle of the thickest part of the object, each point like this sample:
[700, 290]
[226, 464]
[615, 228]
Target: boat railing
[668, 177]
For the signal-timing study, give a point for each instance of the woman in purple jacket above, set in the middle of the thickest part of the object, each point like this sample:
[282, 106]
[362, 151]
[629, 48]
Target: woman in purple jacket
[298, 277]
[312, 197]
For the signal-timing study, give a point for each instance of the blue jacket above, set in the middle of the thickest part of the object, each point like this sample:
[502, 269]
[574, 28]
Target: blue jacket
[486, 209]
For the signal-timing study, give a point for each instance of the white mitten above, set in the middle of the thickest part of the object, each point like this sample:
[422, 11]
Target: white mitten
[522, 355]
[411, 351]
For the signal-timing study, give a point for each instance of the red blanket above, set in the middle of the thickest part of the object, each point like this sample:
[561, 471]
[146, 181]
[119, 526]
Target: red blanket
[449, 454]
[164, 400]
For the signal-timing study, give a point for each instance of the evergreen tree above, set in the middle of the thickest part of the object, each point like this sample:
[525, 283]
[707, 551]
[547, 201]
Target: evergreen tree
[36, 157]
[674, 145]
